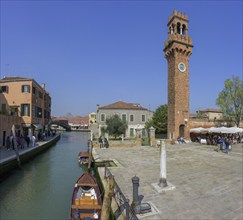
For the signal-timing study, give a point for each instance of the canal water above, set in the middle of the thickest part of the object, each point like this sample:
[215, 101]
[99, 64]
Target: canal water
[42, 188]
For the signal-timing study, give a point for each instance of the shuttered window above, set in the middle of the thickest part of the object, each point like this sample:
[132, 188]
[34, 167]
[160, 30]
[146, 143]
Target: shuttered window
[25, 109]
[25, 88]
[4, 89]
[124, 117]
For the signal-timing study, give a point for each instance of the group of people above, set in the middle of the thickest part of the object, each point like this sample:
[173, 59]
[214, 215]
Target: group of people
[27, 141]
[103, 144]
[222, 141]
[214, 139]
[21, 142]
[224, 145]
[181, 140]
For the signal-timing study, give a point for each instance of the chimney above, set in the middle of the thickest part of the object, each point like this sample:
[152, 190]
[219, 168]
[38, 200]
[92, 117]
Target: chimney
[43, 86]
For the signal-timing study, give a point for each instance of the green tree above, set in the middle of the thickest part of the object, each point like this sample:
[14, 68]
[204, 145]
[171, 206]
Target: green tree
[159, 120]
[115, 126]
[230, 100]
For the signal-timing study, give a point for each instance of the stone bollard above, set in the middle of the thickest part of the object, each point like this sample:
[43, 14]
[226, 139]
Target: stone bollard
[138, 141]
[153, 141]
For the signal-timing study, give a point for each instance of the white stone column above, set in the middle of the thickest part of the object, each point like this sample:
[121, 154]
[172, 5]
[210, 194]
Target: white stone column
[162, 180]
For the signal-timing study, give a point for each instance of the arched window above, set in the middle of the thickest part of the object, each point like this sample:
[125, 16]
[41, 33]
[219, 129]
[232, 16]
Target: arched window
[184, 30]
[172, 29]
[181, 130]
[178, 27]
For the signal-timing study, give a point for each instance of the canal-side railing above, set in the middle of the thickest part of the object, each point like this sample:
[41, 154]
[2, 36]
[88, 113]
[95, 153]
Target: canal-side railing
[124, 207]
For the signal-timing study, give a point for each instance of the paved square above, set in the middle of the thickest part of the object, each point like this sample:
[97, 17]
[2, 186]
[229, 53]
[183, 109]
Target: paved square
[208, 183]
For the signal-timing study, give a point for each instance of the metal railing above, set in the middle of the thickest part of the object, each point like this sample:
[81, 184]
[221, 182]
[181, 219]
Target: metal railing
[124, 207]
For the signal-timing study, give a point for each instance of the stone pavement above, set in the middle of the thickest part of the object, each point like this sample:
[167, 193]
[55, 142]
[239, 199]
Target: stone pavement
[208, 183]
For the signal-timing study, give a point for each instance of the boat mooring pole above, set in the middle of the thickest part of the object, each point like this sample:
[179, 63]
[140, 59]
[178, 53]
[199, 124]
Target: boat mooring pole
[15, 146]
[109, 192]
[90, 153]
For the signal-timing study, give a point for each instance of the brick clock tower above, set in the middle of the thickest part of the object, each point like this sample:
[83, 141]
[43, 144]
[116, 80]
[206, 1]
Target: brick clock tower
[177, 50]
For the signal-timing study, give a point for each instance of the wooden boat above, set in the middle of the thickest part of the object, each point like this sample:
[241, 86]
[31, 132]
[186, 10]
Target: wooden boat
[83, 158]
[86, 199]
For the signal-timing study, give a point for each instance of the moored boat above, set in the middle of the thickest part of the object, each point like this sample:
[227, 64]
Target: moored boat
[83, 158]
[86, 199]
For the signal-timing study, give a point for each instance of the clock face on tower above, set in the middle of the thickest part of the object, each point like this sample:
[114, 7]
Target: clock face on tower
[182, 67]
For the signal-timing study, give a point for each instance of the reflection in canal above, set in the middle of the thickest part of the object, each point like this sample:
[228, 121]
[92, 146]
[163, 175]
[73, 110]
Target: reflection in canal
[42, 188]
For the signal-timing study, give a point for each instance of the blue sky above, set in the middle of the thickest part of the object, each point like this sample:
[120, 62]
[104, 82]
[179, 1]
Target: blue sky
[100, 52]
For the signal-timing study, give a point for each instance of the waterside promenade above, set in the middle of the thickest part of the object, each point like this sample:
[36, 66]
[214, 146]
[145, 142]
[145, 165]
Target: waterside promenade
[208, 183]
[8, 158]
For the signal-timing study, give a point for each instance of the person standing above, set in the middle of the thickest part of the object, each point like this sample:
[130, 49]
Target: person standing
[27, 139]
[11, 142]
[106, 143]
[8, 143]
[33, 140]
[21, 141]
[100, 142]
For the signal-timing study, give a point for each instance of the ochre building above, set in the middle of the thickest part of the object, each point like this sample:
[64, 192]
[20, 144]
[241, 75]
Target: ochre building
[24, 103]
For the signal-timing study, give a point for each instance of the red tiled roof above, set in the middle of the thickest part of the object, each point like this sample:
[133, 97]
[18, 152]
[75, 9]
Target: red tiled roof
[79, 120]
[123, 105]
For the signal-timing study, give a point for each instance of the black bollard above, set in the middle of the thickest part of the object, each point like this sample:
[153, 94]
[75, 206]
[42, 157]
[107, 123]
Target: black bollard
[135, 182]
[137, 207]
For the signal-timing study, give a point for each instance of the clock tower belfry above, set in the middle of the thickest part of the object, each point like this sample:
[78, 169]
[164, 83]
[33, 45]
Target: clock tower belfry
[177, 50]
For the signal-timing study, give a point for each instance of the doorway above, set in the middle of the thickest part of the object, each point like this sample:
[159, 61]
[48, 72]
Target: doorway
[182, 130]
[4, 137]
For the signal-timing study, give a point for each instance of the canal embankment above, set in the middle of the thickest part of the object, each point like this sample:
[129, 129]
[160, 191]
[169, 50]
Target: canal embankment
[10, 160]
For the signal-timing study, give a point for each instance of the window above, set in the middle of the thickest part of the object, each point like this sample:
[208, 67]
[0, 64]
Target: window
[4, 89]
[25, 88]
[40, 95]
[131, 118]
[143, 118]
[33, 90]
[39, 112]
[102, 117]
[14, 111]
[124, 117]
[3, 109]
[25, 109]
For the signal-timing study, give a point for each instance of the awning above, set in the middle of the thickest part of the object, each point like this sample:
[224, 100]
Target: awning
[38, 126]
